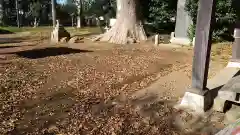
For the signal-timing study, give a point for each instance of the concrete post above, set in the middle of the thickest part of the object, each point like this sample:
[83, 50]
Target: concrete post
[236, 45]
[235, 61]
[156, 40]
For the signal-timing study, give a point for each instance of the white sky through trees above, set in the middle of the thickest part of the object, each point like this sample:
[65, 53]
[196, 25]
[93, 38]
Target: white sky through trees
[61, 1]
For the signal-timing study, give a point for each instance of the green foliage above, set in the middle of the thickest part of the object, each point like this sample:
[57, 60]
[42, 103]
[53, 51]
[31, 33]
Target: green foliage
[226, 16]
[191, 31]
[29, 10]
[105, 8]
[35, 9]
[11, 29]
[69, 8]
[160, 14]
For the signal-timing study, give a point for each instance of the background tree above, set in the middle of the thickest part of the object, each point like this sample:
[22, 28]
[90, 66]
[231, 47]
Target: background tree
[35, 12]
[160, 14]
[1, 13]
[103, 8]
[128, 24]
[71, 9]
[79, 4]
[17, 13]
[54, 12]
[226, 17]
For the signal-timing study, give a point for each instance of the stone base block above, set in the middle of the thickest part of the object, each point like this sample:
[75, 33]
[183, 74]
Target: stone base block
[180, 40]
[219, 104]
[222, 77]
[198, 103]
[233, 64]
[233, 114]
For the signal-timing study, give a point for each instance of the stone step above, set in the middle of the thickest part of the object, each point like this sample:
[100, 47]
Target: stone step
[222, 78]
[227, 83]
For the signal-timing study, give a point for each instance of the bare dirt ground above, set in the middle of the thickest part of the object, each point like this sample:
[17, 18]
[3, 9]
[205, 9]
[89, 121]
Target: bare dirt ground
[91, 88]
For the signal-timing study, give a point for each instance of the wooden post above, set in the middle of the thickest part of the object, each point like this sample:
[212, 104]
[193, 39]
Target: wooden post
[202, 49]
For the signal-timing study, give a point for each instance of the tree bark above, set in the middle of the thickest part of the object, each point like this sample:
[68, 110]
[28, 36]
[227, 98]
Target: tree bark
[1, 13]
[128, 26]
[35, 22]
[54, 12]
[79, 17]
[17, 11]
[72, 21]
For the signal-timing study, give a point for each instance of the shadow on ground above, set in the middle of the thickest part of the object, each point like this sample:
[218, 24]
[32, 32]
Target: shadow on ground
[3, 47]
[3, 31]
[11, 40]
[42, 113]
[13, 46]
[87, 34]
[46, 52]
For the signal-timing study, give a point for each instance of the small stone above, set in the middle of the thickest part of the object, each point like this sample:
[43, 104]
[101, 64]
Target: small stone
[52, 129]
[64, 40]
[233, 114]
[131, 41]
[122, 97]
[219, 104]
[75, 39]
[3, 89]
[3, 57]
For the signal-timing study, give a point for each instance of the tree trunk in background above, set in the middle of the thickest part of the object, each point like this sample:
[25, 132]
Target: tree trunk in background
[35, 22]
[79, 17]
[118, 7]
[72, 21]
[54, 12]
[1, 13]
[17, 11]
[128, 26]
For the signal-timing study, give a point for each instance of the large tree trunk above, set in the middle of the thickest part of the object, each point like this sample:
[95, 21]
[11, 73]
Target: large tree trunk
[1, 12]
[54, 12]
[79, 17]
[128, 26]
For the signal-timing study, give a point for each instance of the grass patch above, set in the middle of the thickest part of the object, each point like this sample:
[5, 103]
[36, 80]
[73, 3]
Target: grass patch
[24, 29]
[83, 31]
[72, 30]
[10, 30]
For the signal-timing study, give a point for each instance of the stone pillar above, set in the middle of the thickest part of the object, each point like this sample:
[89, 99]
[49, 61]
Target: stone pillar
[235, 61]
[198, 97]
[183, 21]
[236, 45]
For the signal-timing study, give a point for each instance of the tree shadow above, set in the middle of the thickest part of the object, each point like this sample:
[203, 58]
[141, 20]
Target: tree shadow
[3, 31]
[3, 47]
[87, 34]
[13, 46]
[12, 40]
[45, 111]
[162, 111]
[46, 52]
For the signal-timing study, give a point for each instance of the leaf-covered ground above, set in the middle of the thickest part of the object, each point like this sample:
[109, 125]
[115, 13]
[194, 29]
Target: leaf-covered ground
[58, 90]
